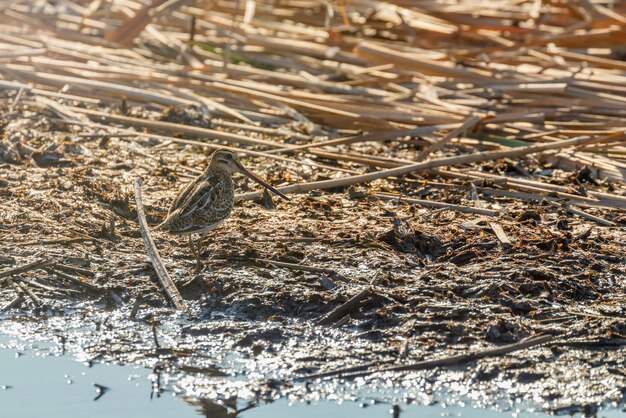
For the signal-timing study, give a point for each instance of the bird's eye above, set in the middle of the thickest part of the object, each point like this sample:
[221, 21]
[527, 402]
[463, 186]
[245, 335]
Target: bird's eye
[230, 157]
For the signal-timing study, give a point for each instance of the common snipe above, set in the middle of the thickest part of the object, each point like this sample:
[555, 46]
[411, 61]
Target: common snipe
[207, 200]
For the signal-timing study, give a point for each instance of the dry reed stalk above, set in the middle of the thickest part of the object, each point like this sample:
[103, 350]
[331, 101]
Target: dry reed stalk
[438, 205]
[135, 134]
[168, 285]
[377, 53]
[442, 162]
[290, 67]
[470, 123]
[605, 198]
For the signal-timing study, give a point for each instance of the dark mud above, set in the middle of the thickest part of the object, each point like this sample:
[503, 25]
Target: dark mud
[440, 282]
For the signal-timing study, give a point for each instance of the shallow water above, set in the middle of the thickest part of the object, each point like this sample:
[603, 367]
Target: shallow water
[39, 380]
[56, 386]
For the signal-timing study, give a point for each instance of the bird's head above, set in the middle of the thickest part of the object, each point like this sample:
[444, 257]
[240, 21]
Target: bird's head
[226, 160]
[229, 161]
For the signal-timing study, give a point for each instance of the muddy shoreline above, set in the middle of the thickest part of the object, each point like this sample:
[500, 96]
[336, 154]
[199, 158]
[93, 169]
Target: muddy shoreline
[457, 175]
[439, 283]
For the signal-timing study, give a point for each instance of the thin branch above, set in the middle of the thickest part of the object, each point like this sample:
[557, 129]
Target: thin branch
[26, 267]
[441, 162]
[441, 205]
[469, 124]
[168, 285]
[346, 308]
[349, 373]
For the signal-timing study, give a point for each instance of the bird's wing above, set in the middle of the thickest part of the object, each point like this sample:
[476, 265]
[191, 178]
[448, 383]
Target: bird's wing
[182, 196]
[202, 196]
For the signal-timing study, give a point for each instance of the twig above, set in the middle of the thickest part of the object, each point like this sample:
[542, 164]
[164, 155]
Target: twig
[14, 303]
[102, 87]
[378, 53]
[469, 124]
[589, 216]
[25, 289]
[443, 205]
[345, 371]
[64, 241]
[591, 315]
[341, 322]
[75, 280]
[463, 358]
[167, 283]
[73, 269]
[597, 342]
[34, 283]
[18, 96]
[583, 214]
[136, 306]
[441, 162]
[349, 373]
[378, 136]
[603, 199]
[294, 266]
[500, 234]
[346, 308]
[223, 136]
[298, 103]
[27, 267]
[23, 53]
[289, 239]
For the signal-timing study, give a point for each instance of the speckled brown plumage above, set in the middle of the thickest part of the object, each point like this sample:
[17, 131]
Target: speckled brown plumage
[207, 200]
[205, 203]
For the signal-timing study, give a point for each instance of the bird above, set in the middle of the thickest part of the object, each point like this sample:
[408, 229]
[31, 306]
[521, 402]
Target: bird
[208, 200]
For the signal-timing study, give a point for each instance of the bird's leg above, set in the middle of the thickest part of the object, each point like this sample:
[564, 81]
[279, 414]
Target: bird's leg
[195, 252]
[191, 245]
[198, 251]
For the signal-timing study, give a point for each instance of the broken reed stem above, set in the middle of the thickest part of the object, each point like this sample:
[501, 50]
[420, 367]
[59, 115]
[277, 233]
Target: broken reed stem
[75, 280]
[349, 373]
[441, 162]
[378, 136]
[346, 308]
[294, 266]
[14, 303]
[26, 267]
[463, 358]
[168, 285]
[583, 214]
[601, 199]
[469, 124]
[376, 53]
[26, 290]
[441, 205]
[131, 133]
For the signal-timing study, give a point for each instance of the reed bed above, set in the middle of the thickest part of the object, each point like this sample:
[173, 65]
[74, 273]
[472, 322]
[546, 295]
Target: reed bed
[457, 168]
[481, 75]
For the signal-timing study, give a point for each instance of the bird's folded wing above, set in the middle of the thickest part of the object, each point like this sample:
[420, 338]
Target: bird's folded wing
[203, 196]
[184, 194]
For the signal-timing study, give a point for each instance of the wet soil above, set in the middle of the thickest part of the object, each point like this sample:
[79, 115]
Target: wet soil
[438, 282]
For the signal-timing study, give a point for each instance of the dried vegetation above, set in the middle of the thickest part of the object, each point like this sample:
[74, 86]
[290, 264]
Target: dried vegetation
[457, 171]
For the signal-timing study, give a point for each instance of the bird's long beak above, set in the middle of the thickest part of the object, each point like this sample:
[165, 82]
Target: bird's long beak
[262, 182]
